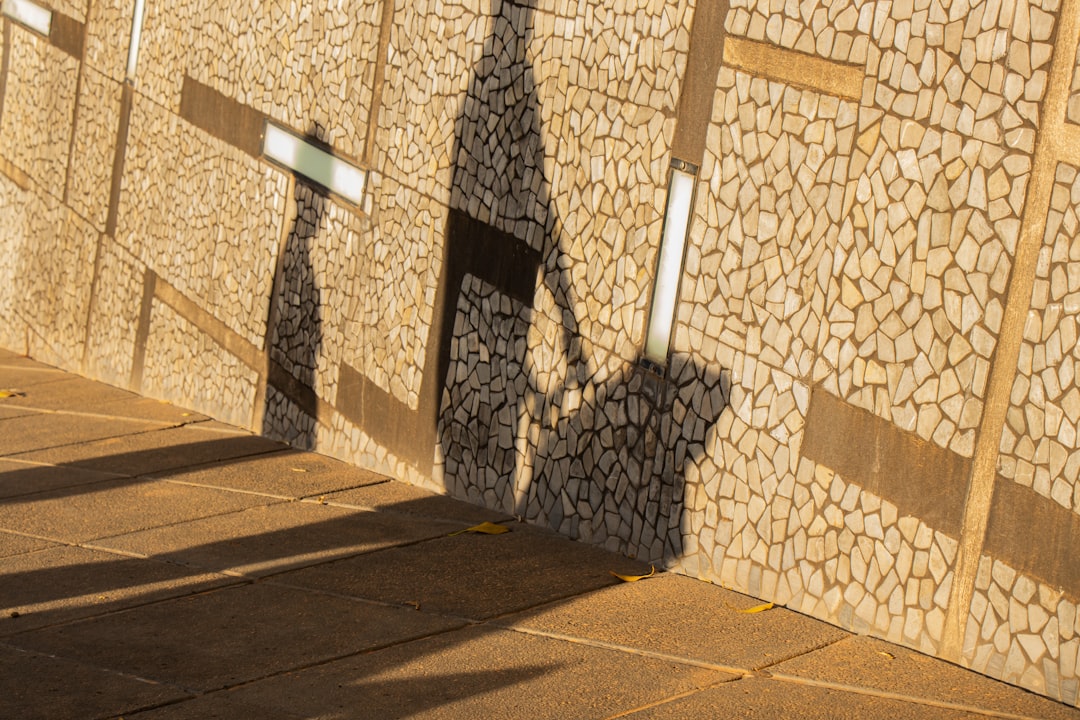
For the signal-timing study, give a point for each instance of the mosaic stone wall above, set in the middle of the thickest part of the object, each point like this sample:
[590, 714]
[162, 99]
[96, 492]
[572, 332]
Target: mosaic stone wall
[885, 216]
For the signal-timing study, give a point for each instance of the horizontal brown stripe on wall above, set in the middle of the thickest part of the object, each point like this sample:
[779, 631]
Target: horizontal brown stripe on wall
[215, 329]
[300, 394]
[221, 116]
[1034, 535]
[14, 174]
[384, 418]
[794, 68]
[923, 480]
[67, 34]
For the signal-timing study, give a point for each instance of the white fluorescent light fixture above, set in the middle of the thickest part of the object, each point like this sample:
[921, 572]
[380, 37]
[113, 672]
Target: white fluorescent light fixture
[136, 35]
[669, 266]
[301, 156]
[29, 14]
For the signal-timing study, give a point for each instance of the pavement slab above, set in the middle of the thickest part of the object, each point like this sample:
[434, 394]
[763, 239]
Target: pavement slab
[754, 698]
[104, 509]
[470, 575]
[642, 616]
[39, 687]
[402, 498]
[42, 431]
[864, 662]
[166, 448]
[270, 539]
[25, 374]
[23, 478]
[62, 391]
[285, 472]
[480, 672]
[64, 582]
[233, 635]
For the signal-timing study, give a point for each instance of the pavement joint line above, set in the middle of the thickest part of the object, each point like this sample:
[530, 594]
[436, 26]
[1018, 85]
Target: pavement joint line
[804, 653]
[224, 430]
[328, 661]
[91, 442]
[135, 605]
[167, 473]
[617, 647]
[399, 513]
[102, 416]
[676, 697]
[31, 368]
[238, 491]
[119, 673]
[886, 695]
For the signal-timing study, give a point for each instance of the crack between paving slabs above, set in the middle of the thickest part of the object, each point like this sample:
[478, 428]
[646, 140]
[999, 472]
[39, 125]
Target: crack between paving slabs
[886, 695]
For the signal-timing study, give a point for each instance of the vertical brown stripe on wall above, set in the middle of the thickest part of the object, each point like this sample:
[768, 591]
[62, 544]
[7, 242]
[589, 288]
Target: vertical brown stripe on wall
[980, 494]
[142, 331]
[126, 96]
[70, 36]
[5, 63]
[699, 84]
[379, 79]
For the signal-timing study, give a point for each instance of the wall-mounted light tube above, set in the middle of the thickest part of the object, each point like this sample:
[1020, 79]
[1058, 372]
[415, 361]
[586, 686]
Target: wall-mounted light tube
[669, 265]
[136, 35]
[29, 14]
[293, 152]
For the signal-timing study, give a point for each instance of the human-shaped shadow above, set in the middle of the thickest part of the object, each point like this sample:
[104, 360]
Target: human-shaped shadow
[529, 421]
[294, 324]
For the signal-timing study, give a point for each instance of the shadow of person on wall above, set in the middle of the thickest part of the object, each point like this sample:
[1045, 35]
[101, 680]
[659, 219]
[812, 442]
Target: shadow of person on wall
[531, 417]
[295, 320]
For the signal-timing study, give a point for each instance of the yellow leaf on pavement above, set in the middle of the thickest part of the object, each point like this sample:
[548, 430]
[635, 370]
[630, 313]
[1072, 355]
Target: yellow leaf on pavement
[635, 578]
[757, 608]
[484, 528]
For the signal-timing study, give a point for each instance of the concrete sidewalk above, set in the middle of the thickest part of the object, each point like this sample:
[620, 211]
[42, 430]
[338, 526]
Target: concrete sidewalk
[155, 564]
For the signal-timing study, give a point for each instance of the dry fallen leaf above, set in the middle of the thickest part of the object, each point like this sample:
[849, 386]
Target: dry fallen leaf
[10, 393]
[757, 608]
[886, 654]
[635, 578]
[484, 528]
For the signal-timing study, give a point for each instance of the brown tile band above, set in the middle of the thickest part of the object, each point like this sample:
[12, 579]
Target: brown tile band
[699, 83]
[222, 117]
[384, 418]
[472, 248]
[923, 480]
[67, 34]
[1033, 534]
[979, 502]
[126, 99]
[298, 393]
[378, 82]
[5, 62]
[235, 344]
[14, 174]
[219, 332]
[795, 68]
